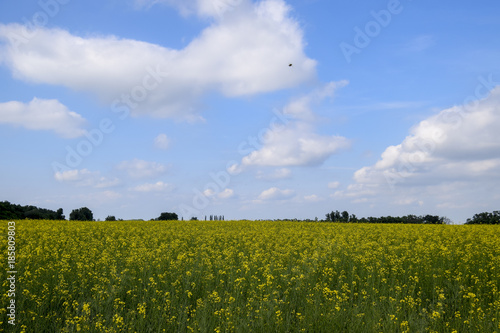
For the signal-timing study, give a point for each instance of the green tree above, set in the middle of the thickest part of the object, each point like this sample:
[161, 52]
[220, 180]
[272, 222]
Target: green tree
[33, 213]
[110, 218]
[432, 219]
[485, 218]
[10, 211]
[168, 217]
[60, 215]
[81, 214]
[345, 216]
[336, 216]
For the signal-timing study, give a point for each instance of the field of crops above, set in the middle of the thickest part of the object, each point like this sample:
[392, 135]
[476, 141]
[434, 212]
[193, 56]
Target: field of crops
[136, 276]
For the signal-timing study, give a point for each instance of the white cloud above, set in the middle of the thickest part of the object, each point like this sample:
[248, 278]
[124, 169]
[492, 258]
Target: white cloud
[246, 53]
[203, 8]
[226, 194]
[409, 201]
[84, 177]
[209, 193]
[301, 108]
[275, 10]
[356, 190]
[296, 143]
[333, 185]
[162, 141]
[71, 175]
[458, 143]
[234, 169]
[275, 193]
[313, 198]
[43, 114]
[155, 187]
[451, 157]
[142, 169]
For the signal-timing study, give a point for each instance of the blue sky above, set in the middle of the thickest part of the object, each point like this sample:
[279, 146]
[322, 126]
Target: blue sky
[133, 108]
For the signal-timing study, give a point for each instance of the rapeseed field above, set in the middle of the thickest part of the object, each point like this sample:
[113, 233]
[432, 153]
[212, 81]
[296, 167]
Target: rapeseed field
[243, 276]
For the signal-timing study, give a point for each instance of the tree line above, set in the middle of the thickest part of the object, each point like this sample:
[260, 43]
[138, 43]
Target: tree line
[485, 218]
[345, 217]
[10, 211]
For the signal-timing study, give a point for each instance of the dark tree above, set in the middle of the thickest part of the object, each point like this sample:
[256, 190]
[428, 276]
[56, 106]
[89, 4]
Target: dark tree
[485, 218]
[345, 216]
[336, 216]
[33, 213]
[431, 219]
[110, 218]
[60, 215]
[10, 211]
[81, 214]
[168, 217]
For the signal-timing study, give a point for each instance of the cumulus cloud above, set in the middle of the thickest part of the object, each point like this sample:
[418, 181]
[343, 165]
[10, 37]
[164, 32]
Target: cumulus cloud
[275, 193]
[296, 143]
[246, 53]
[456, 144]
[162, 142]
[447, 157]
[43, 114]
[139, 169]
[85, 177]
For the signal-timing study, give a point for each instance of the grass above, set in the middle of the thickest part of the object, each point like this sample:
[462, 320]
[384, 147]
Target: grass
[242, 276]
